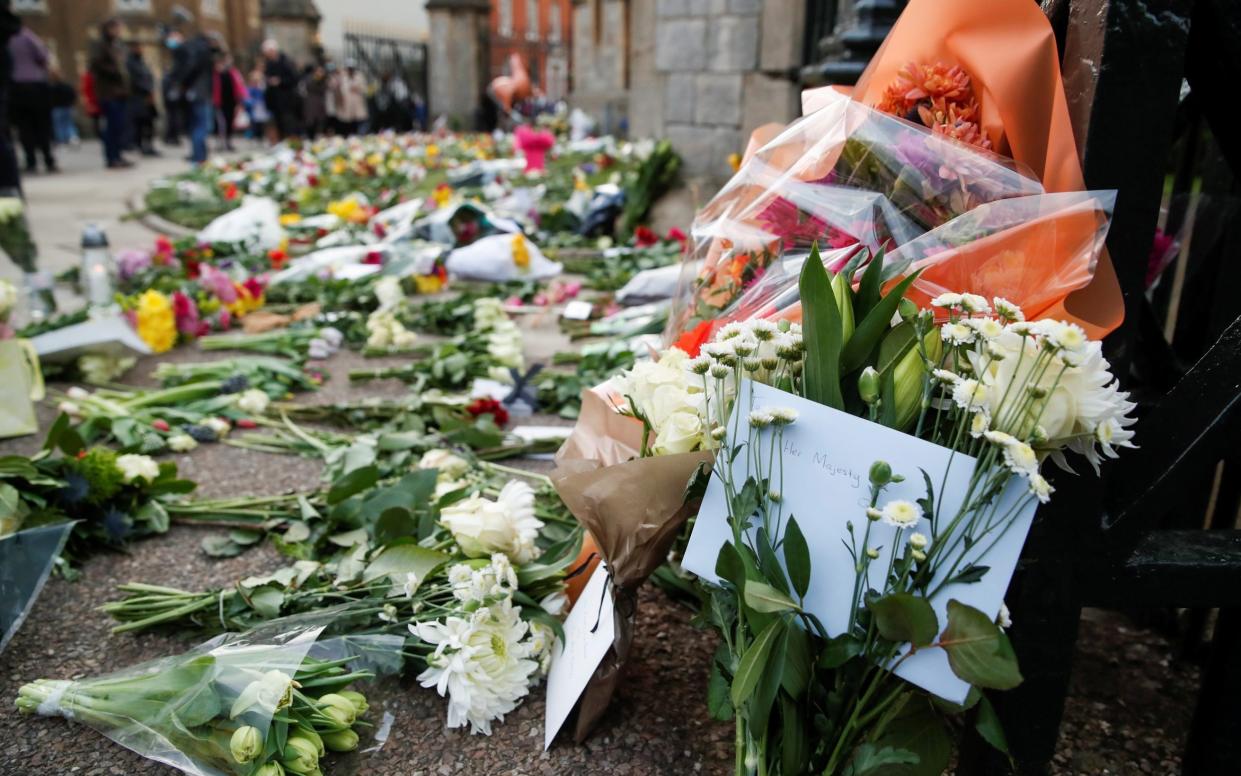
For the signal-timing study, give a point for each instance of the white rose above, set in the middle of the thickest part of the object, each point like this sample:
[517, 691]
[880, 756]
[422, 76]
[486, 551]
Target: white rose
[388, 292]
[449, 464]
[134, 467]
[181, 443]
[253, 401]
[681, 433]
[482, 527]
[668, 400]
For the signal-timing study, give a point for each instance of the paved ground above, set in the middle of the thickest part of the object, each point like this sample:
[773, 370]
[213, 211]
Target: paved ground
[1128, 712]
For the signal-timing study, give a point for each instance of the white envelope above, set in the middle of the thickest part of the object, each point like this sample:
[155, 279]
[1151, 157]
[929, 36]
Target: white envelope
[827, 457]
[588, 632]
[104, 336]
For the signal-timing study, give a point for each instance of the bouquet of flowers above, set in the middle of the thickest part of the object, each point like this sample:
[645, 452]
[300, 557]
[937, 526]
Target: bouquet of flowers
[876, 469]
[957, 165]
[264, 703]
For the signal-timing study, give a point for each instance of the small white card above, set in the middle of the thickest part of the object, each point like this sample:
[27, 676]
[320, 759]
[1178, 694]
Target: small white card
[578, 310]
[827, 456]
[588, 632]
[486, 388]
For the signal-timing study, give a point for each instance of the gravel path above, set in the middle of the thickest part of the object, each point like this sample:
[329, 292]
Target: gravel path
[1128, 714]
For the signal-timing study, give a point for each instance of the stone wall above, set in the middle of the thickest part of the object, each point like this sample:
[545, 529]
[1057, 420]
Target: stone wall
[458, 58]
[600, 61]
[702, 73]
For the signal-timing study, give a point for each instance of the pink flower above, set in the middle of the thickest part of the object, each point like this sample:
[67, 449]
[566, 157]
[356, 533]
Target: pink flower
[218, 283]
[186, 313]
[131, 262]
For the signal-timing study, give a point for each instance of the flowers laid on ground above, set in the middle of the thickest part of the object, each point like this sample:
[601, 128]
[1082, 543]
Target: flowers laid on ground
[999, 393]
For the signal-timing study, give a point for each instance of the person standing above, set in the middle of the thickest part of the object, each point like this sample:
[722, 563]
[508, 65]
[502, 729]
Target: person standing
[32, 104]
[64, 97]
[111, 91]
[281, 90]
[10, 178]
[195, 80]
[351, 99]
[141, 101]
[314, 101]
[228, 93]
[256, 105]
[174, 104]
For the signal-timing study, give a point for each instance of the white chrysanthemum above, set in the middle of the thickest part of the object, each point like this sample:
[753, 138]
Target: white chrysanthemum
[979, 423]
[1021, 459]
[760, 419]
[918, 541]
[482, 664]
[763, 330]
[1070, 337]
[987, 328]
[945, 376]
[220, 426]
[958, 333]
[782, 416]
[728, 331]
[973, 303]
[488, 311]
[1041, 488]
[134, 467]
[947, 300]
[508, 524]
[901, 513]
[970, 394]
[504, 344]
[1001, 438]
[542, 645]
[1008, 310]
[1004, 619]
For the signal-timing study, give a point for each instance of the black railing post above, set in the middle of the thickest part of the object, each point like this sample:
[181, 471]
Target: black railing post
[858, 38]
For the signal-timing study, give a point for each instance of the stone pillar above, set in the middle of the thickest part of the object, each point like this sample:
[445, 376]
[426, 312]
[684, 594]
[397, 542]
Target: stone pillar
[459, 58]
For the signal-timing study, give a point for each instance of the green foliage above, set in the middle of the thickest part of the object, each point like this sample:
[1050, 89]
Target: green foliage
[98, 467]
[978, 650]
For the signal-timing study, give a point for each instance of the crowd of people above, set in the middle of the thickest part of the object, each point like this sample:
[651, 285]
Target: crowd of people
[203, 93]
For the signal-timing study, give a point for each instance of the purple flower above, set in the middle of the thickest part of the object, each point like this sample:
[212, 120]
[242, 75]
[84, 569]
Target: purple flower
[132, 261]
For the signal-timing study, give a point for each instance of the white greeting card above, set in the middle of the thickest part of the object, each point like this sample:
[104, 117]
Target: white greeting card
[827, 456]
[588, 632]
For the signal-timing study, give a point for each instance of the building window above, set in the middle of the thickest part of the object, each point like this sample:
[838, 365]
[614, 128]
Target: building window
[532, 19]
[133, 6]
[30, 6]
[506, 18]
[211, 9]
[553, 22]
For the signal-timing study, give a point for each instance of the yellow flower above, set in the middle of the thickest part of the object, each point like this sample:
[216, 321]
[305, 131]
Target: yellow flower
[734, 161]
[345, 209]
[433, 151]
[375, 159]
[155, 322]
[339, 166]
[442, 195]
[290, 219]
[521, 254]
[428, 284]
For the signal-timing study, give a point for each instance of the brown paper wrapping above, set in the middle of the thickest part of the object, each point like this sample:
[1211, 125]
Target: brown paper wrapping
[633, 508]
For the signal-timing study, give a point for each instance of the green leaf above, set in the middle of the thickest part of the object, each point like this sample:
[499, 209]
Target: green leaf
[904, 617]
[758, 710]
[745, 503]
[728, 566]
[869, 759]
[971, 574]
[917, 729]
[155, 516]
[267, 601]
[821, 329]
[402, 559]
[870, 287]
[978, 650]
[840, 650]
[244, 537]
[354, 482]
[797, 557]
[762, 597]
[797, 662]
[794, 749]
[988, 725]
[394, 523]
[718, 703]
[871, 328]
[297, 531]
[753, 663]
[221, 547]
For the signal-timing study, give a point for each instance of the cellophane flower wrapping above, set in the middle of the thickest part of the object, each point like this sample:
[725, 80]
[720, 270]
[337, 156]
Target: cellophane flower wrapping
[184, 711]
[855, 181]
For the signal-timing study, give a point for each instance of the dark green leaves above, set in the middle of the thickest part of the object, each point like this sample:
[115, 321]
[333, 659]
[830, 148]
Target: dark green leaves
[978, 650]
[400, 560]
[762, 597]
[822, 332]
[904, 617]
[754, 661]
[353, 483]
[869, 330]
[987, 723]
[797, 558]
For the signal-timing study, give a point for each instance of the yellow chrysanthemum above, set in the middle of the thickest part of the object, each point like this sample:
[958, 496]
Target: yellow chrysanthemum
[339, 166]
[521, 253]
[290, 219]
[155, 321]
[345, 209]
[433, 151]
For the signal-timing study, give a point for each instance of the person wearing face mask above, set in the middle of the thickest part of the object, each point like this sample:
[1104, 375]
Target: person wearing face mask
[174, 103]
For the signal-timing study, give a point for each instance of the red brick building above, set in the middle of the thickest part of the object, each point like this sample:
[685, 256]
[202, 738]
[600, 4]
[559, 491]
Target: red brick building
[541, 31]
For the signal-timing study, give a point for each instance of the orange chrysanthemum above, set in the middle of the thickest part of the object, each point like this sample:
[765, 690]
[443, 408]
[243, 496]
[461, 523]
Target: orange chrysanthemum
[938, 96]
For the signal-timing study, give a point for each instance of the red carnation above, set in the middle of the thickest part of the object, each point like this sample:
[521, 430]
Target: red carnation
[488, 406]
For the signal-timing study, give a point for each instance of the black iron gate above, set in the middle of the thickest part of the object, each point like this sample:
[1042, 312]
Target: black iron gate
[377, 55]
